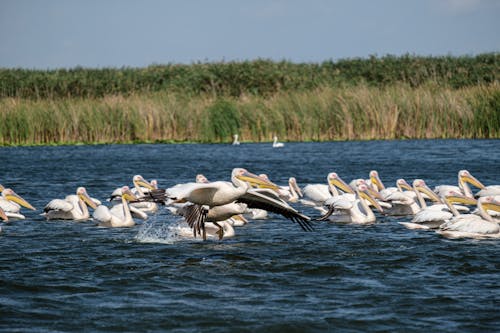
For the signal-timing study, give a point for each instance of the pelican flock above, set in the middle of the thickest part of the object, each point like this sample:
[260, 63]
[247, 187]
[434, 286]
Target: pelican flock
[214, 209]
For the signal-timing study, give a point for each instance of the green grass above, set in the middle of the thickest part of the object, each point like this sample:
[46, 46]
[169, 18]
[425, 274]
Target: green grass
[360, 112]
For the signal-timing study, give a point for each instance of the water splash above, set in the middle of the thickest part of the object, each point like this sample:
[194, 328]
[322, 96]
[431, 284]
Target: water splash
[153, 232]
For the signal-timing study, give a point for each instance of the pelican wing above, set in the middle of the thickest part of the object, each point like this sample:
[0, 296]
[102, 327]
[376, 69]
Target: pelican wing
[195, 216]
[102, 214]
[58, 204]
[270, 201]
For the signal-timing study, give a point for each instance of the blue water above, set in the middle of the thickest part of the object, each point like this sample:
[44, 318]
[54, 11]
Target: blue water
[272, 277]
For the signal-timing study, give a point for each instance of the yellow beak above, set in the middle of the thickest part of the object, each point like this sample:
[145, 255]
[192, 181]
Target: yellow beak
[257, 181]
[17, 199]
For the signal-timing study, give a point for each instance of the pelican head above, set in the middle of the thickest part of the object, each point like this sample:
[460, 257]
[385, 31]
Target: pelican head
[83, 195]
[292, 182]
[127, 194]
[375, 180]
[402, 184]
[465, 176]
[10, 195]
[154, 183]
[138, 180]
[490, 203]
[421, 186]
[1, 188]
[252, 179]
[335, 180]
[364, 193]
[201, 179]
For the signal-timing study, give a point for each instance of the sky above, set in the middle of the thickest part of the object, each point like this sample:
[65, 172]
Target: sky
[48, 34]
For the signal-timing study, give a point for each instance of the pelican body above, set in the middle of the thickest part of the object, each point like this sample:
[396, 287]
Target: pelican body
[73, 207]
[119, 215]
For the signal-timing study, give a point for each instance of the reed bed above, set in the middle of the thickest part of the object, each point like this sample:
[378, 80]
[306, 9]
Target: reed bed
[325, 113]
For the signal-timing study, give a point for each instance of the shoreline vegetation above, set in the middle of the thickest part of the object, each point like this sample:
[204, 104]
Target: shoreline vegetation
[389, 97]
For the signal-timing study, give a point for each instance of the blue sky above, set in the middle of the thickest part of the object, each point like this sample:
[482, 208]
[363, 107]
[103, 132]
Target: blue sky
[114, 33]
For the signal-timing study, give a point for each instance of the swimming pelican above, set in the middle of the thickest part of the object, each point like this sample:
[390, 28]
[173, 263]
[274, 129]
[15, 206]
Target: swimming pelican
[235, 140]
[431, 217]
[347, 211]
[119, 215]
[116, 200]
[142, 186]
[317, 194]
[472, 225]
[209, 195]
[11, 202]
[73, 207]
[464, 179]
[277, 144]
[217, 215]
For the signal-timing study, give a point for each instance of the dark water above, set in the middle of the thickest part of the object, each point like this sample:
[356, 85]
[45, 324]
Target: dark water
[272, 277]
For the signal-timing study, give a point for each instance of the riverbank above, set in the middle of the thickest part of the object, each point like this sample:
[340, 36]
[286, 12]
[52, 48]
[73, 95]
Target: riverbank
[361, 112]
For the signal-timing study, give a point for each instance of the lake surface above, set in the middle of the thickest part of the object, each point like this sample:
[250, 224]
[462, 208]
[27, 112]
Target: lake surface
[272, 277]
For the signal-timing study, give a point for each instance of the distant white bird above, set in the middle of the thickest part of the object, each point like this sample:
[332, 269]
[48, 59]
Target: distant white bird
[235, 140]
[277, 144]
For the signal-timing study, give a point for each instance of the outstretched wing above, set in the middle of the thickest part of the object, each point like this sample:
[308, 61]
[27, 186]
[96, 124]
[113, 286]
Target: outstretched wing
[268, 200]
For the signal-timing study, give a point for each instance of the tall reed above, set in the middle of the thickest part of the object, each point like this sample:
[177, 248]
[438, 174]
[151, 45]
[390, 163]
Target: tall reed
[351, 113]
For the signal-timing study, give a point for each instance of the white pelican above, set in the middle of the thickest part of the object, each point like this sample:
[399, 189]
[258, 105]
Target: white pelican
[211, 230]
[431, 217]
[215, 215]
[464, 179]
[142, 186]
[317, 194]
[11, 203]
[472, 225]
[209, 195]
[344, 210]
[235, 140]
[73, 207]
[119, 215]
[116, 200]
[290, 193]
[277, 144]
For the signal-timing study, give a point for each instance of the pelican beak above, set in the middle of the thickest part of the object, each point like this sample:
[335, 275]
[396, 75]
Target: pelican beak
[472, 180]
[375, 179]
[492, 205]
[129, 196]
[426, 190]
[140, 181]
[460, 199]
[255, 180]
[87, 199]
[342, 185]
[3, 216]
[16, 198]
[366, 195]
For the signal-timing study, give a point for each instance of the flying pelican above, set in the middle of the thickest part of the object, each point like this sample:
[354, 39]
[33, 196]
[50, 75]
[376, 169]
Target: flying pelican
[347, 211]
[472, 225]
[277, 144]
[11, 202]
[73, 207]
[235, 140]
[209, 195]
[118, 215]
